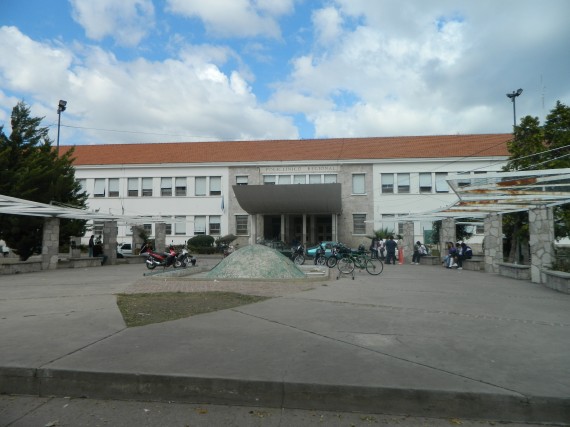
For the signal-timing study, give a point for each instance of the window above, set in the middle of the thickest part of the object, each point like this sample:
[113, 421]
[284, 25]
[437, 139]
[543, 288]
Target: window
[241, 180]
[330, 178]
[147, 228]
[180, 225]
[465, 181]
[389, 223]
[358, 183]
[284, 179]
[441, 183]
[199, 225]
[181, 186]
[403, 183]
[97, 228]
[215, 225]
[83, 185]
[387, 183]
[425, 182]
[200, 186]
[268, 179]
[113, 187]
[299, 179]
[133, 187]
[99, 190]
[359, 226]
[215, 185]
[314, 179]
[147, 187]
[168, 228]
[242, 225]
[166, 187]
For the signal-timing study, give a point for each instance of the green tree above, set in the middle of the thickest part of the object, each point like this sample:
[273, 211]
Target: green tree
[31, 169]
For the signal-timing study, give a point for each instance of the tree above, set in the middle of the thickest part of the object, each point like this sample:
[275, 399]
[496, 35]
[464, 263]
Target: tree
[31, 169]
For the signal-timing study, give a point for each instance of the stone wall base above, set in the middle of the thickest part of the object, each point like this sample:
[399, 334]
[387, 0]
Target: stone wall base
[516, 271]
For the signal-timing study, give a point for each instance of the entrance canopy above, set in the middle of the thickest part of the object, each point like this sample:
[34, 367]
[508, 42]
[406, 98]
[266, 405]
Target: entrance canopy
[290, 198]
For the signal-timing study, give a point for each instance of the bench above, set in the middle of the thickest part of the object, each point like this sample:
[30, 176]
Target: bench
[430, 260]
[80, 262]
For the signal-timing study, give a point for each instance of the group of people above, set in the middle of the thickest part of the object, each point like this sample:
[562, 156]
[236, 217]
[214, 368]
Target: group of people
[456, 254]
[387, 250]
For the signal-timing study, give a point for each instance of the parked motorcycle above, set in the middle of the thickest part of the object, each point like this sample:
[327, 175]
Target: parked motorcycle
[184, 259]
[155, 259]
[298, 254]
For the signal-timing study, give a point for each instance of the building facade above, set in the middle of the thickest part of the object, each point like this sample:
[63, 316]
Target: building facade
[306, 191]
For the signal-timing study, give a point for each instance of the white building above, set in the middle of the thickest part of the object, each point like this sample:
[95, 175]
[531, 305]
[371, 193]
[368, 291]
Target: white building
[308, 190]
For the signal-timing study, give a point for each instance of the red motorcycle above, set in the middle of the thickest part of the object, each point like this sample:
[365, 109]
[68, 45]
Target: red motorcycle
[154, 259]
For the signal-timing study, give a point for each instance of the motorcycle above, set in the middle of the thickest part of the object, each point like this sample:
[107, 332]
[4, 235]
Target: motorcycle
[155, 259]
[298, 254]
[184, 259]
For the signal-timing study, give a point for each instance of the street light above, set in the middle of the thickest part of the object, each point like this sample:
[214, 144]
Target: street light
[513, 97]
[60, 109]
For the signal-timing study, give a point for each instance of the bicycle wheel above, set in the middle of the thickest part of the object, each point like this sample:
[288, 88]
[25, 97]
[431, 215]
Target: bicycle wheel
[374, 266]
[299, 259]
[322, 261]
[332, 261]
[345, 265]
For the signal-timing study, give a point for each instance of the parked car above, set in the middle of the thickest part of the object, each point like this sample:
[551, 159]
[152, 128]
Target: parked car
[278, 245]
[312, 251]
[124, 249]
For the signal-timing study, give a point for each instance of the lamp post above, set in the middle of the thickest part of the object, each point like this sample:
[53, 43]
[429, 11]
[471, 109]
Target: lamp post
[513, 96]
[60, 109]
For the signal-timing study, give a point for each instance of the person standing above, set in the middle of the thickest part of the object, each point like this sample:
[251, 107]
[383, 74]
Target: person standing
[91, 246]
[391, 248]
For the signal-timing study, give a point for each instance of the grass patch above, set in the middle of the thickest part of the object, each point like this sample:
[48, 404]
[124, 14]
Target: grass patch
[145, 309]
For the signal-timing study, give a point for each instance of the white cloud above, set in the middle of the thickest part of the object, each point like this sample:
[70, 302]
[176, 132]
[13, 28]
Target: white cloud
[328, 23]
[238, 18]
[127, 21]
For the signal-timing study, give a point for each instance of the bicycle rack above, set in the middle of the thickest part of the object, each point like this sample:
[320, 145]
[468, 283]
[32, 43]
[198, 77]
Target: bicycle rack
[340, 273]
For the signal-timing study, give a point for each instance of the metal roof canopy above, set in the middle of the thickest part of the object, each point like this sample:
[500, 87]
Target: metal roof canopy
[289, 198]
[501, 193]
[14, 206]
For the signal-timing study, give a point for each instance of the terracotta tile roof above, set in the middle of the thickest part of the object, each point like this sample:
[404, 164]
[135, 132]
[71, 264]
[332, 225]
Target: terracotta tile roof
[294, 150]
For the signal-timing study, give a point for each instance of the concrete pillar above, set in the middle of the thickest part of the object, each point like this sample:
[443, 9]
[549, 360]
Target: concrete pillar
[160, 236]
[493, 242]
[408, 239]
[304, 237]
[313, 229]
[50, 244]
[253, 228]
[334, 227]
[541, 230]
[110, 231]
[447, 234]
[283, 231]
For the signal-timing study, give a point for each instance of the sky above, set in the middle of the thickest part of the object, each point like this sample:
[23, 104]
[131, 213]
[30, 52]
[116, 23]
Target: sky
[136, 71]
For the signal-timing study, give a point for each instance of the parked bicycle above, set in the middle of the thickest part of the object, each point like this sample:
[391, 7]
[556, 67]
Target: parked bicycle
[349, 262]
[338, 251]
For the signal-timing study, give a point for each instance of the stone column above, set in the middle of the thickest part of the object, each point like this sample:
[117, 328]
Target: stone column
[50, 244]
[541, 230]
[493, 242]
[283, 230]
[160, 236]
[334, 227]
[447, 234]
[304, 238]
[137, 241]
[408, 240]
[110, 231]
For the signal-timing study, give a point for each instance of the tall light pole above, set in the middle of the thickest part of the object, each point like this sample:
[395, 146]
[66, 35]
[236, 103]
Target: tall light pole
[60, 109]
[513, 96]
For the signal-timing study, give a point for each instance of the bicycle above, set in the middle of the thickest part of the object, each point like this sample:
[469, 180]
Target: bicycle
[349, 262]
[337, 253]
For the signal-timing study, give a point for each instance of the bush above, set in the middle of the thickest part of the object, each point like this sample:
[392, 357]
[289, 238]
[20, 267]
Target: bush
[201, 244]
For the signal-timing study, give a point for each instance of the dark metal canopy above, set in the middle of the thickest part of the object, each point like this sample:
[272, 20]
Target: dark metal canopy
[290, 198]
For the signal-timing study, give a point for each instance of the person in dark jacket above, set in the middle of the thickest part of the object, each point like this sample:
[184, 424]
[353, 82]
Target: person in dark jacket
[391, 247]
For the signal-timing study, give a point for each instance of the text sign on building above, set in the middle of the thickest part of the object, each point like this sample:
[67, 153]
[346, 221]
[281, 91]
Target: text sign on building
[299, 169]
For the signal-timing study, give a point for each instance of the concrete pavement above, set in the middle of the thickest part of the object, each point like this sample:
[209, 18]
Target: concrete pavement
[417, 340]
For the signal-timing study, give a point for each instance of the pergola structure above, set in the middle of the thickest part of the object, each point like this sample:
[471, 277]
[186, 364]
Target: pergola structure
[492, 195]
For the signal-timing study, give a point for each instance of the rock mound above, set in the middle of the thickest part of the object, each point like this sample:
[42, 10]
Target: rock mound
[256, 262]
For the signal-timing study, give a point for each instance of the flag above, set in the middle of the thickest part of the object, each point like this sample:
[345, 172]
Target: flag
[223, 207]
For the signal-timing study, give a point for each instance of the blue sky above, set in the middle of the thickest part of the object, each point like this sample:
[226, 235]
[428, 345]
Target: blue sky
[194, 70]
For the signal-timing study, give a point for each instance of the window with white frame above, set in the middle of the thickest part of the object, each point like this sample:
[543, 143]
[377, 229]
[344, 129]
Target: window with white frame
[166, 186]
[168, 228]
[389, 223]
[83, 184]
[358, 183]
[199, 225]
[283, 179]
[113, 187]
[242, 228]
[147, 187]
[314, 179]
[241, 180]
[133, 187]
[99, 188]
[180, 225]
[147, 229]
[180, 183]
[268, 179]
[97, 228]
[358, 223]
[200, 186]
[441, 185]
[215, 185]
[425, 182]
[403, 183]
[215, 225]
[299, 179]
[329, 178]
[387, 180]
